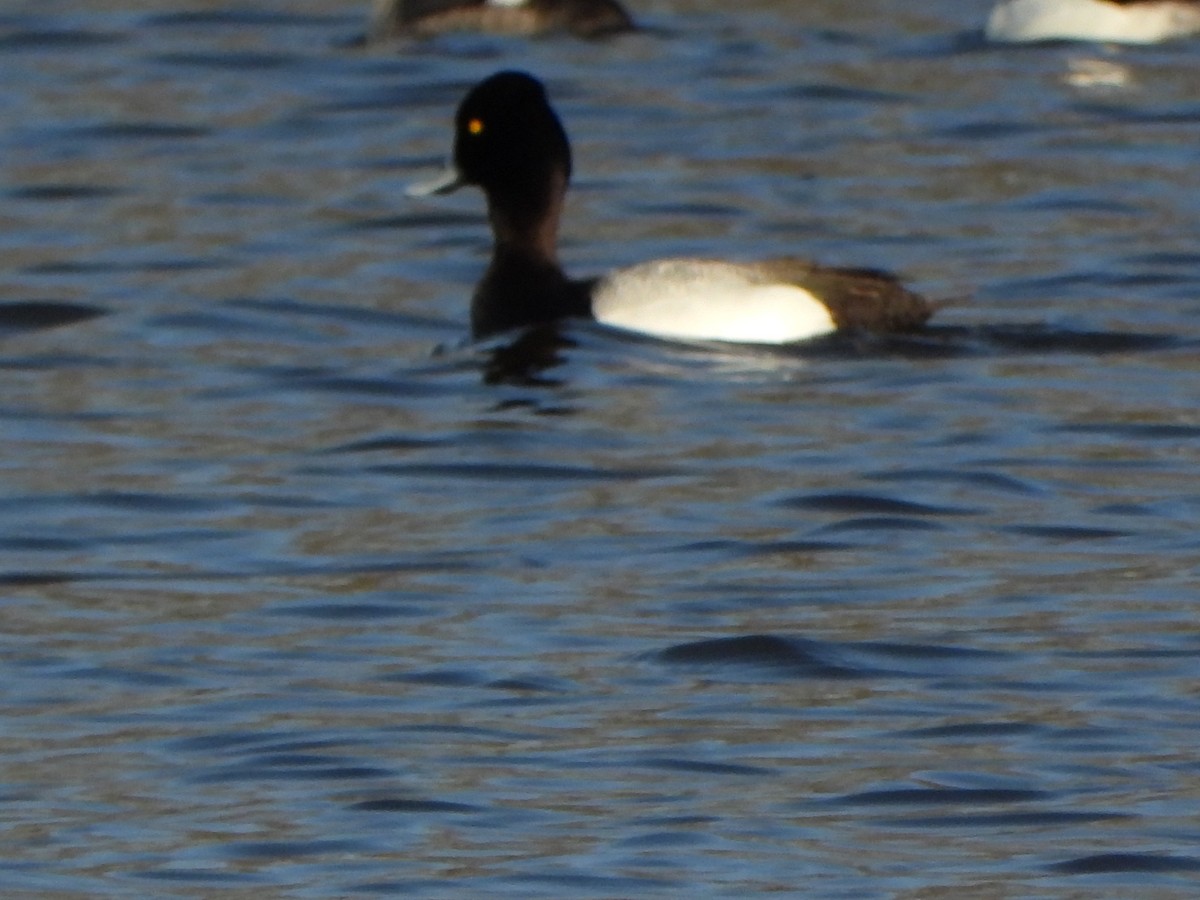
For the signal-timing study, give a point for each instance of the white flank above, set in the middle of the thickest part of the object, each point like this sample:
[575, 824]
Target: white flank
[708, 300]
[506, 2]
[1091, 20]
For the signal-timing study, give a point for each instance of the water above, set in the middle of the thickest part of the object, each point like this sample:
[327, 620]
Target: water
[304, 595]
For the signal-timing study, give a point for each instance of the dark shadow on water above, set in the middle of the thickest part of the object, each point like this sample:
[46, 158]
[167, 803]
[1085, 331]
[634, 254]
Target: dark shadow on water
[983, 822]
[791, 657]
[66, 191]
[760, 650]
[870, 504]
[930, 796]
[135, 130]
[805, 658]
[69, 39]
[526, 358]
[411, 806]
[1101, 863]
[950, 342]
[37, 315]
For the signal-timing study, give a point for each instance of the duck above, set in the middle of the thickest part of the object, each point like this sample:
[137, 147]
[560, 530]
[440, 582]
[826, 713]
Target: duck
[1110, 21]
[510, 143]
[426, 18]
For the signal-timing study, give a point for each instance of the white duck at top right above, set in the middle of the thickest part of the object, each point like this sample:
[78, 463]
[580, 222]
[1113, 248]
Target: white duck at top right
[1110, 21]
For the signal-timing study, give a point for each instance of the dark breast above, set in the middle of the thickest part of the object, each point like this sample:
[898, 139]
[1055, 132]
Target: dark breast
[519, 290]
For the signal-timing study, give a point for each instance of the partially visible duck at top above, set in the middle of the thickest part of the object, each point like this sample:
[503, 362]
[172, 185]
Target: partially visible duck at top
[1111, 21]
[426, 18]
[509, 142]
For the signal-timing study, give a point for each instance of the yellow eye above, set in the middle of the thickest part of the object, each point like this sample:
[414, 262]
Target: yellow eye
[475, 126]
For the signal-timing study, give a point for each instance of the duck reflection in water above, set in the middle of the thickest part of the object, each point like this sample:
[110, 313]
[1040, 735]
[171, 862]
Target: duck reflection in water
[427, 18]
[526, 358]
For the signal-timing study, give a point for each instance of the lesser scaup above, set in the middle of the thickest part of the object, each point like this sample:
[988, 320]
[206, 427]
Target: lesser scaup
[1116, 21]
[425, 18]
[509, 142]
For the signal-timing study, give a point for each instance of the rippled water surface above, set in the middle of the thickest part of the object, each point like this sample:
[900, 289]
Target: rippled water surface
[305, 595]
